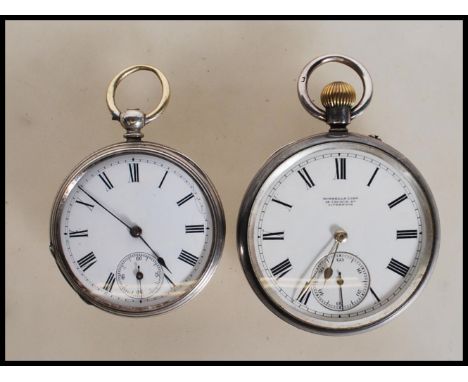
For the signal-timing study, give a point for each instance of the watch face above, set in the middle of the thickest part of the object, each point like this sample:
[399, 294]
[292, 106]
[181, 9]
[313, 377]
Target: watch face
[137, 233]
[339, 236]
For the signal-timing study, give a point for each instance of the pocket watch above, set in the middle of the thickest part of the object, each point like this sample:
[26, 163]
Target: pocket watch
[337, 232]
[137, 228]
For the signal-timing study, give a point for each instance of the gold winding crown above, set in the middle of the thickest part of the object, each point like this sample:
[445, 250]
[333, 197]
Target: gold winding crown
[338, 93]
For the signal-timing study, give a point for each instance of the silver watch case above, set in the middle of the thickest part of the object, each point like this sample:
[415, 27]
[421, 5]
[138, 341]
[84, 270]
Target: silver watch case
[411, 175]
[164, 152]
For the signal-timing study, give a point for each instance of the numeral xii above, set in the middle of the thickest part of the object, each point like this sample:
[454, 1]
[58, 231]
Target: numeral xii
[340, 166]
[134, 172]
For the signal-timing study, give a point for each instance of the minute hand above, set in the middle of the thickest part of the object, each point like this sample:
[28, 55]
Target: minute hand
[106, 209]
[134, 230]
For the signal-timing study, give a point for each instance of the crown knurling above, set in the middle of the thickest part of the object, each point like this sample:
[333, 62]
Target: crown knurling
[338, 94]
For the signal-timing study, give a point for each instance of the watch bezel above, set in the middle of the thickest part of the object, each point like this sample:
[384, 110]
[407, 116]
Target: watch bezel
[173, 156]
[410, 174]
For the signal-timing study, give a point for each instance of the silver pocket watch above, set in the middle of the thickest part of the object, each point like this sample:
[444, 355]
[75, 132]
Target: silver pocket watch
[137, 228]
[337, 232]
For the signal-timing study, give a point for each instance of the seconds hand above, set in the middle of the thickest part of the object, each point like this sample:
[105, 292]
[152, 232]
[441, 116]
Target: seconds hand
[135, 231]
[340, 282]
[139, 276]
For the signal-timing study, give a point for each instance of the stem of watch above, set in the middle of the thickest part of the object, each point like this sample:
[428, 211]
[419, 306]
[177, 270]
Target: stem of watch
[337, 98]
[133, 121]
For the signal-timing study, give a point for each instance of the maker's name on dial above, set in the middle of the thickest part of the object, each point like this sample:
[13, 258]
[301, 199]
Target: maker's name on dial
[340, 201]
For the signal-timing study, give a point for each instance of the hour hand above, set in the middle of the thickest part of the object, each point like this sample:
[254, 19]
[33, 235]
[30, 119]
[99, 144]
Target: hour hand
[160, 259]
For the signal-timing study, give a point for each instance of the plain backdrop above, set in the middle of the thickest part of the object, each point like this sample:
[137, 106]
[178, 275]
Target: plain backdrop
[234, 102]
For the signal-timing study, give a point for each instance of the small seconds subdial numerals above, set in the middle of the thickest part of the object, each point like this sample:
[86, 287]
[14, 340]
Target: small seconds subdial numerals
[347, 284]
[305, 203]
[139, 275]
[137, 230]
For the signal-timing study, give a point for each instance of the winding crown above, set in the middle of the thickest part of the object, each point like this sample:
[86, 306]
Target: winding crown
[338, 93]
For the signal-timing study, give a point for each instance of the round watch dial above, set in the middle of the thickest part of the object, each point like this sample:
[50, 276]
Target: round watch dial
[139, 275]
[341, 287]
[136, 232]
[337, 236]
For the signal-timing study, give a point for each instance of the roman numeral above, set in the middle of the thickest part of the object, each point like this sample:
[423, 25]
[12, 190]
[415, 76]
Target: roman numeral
[82, 233]
[109, 282]
[89, 206]
[188, 258]
[306, 177]
[162, 180]
[398, 200]
[407, 234]
[398, 267]
[372, 177]
[185, 199]
[273, 236]
[282, 203]
[305, 298]
[134, 172]
[87, 261]
[305, 294]
[106, 181]
[281, 269]
[197, 228]
[340, 165]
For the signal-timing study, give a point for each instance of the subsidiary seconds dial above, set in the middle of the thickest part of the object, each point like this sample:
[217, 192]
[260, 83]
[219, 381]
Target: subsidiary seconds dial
[139, 275]
[341, 287]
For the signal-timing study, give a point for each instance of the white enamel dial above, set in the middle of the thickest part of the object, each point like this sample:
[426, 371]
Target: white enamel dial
[136, 231]
[299, 210]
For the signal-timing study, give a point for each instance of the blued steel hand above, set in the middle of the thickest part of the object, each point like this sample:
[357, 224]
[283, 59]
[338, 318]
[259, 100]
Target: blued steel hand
[106, 209]
[160, 259]
[139, 276]
[134, 230]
